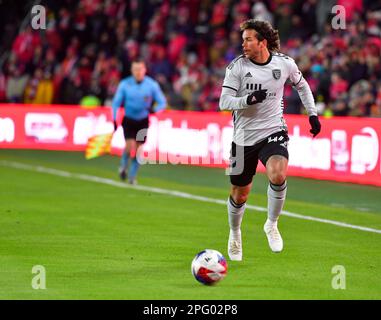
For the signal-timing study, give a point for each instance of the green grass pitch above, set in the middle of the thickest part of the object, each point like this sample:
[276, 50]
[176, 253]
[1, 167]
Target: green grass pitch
[101, 241]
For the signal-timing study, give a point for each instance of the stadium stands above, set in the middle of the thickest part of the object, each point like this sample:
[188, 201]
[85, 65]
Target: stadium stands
[88, 45]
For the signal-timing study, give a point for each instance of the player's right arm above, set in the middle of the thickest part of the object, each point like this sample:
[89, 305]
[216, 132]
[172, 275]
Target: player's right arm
[118, 99]
[230, 87]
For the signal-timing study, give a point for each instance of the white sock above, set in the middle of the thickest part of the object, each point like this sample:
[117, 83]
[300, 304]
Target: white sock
[235, 214]
[276, 195]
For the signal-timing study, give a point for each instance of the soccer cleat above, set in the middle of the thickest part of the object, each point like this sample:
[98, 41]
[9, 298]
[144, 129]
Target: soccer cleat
[133, 181]
[273, 236]
[122, 175]
[235, 247]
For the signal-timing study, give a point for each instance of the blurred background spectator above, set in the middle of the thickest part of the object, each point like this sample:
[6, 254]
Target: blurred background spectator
[88, 46]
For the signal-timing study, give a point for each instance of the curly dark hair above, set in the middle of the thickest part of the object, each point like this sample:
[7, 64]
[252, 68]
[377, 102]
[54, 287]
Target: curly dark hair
[264, 31]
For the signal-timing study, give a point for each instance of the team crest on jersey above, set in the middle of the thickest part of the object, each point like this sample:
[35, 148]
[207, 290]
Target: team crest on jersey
[276, 74]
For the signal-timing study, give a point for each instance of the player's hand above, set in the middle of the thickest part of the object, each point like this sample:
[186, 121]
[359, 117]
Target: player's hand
[256, 97]
[315, 125]
[115, 125]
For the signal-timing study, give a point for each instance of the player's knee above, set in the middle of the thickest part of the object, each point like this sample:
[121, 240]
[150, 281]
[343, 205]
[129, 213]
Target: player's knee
[239, 199]
[239, 196]
[131, 152]
[277, 178]
[276, 172]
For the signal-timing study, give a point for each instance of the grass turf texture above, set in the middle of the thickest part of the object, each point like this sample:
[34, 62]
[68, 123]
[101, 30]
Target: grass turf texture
[103, 242]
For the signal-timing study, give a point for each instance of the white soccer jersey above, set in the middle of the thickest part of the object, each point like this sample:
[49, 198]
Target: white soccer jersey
[256, 122]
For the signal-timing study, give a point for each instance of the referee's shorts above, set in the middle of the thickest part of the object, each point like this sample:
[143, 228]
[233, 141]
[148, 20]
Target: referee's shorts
[244, 159]
[135, 129]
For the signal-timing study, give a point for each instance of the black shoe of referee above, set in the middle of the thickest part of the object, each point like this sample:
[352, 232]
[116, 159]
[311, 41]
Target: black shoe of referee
[123, 175]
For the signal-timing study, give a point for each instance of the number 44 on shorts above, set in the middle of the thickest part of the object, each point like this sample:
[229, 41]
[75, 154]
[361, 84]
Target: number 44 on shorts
[275, 139]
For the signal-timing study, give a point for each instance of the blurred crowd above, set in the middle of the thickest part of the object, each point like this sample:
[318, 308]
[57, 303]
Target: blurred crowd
[88, 45]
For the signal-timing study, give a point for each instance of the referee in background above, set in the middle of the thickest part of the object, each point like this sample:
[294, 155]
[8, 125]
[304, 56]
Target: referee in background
[140, 95]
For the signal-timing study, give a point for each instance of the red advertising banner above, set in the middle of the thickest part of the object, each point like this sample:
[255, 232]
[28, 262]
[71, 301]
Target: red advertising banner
[47, 127]
[347, 149]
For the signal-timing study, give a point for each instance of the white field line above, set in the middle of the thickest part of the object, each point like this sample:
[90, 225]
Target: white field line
[174, 193]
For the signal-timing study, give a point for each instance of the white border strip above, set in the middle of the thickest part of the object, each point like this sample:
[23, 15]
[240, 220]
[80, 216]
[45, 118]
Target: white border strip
[174, 193]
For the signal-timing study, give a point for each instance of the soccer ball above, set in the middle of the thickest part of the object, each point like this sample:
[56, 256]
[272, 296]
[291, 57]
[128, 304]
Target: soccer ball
[209, 266]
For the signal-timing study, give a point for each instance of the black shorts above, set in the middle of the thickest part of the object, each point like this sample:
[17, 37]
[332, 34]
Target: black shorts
[132, 127]
[244, 159]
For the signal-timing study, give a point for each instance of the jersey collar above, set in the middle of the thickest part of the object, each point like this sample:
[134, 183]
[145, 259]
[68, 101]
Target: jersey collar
[136, 82]
[264, 63]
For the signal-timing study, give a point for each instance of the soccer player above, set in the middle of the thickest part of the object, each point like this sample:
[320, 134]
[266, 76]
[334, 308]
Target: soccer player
[253, 91]
[138, 93]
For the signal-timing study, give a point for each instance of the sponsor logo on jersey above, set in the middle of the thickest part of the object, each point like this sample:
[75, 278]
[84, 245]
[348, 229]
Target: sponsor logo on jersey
[248, 75]
[252, 86]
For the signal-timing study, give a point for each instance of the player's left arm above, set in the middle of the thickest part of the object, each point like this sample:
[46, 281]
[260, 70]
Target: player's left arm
[305, 94]
[117, 102]
[159, 98]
